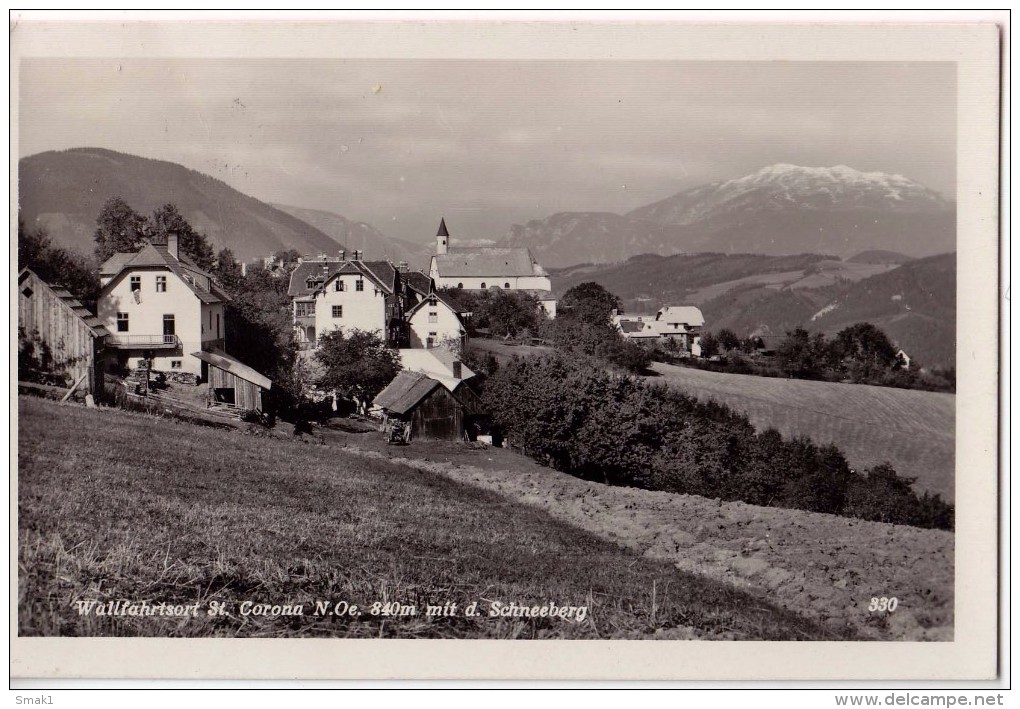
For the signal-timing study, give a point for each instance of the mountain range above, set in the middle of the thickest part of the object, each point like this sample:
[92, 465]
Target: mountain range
[912, 300]
[781, 209]
[64, 191]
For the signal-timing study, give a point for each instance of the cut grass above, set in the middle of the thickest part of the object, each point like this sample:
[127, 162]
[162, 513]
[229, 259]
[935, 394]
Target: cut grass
[119, 506]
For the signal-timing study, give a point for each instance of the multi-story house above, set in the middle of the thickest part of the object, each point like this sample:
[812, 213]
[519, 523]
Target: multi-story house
[330, 293]
[160, 307]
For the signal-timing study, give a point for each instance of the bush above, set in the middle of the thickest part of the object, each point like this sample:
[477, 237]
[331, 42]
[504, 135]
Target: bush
[576, 417]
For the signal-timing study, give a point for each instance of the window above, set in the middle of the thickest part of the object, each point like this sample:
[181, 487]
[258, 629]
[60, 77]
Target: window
[169, 326]
[433, 316]
[483, 284]
[507, 285]
[27, 292]
[301, 310]
[338, 311]
[136, 283]
[359, 284]
[161, 284]
[340, 284]
[122, 322]
[175, 364]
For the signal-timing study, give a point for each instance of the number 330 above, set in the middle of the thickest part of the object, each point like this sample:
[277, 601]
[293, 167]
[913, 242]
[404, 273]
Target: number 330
[883, 604]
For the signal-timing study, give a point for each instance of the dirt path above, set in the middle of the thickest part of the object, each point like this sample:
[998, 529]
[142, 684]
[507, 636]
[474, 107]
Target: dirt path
[824, 567]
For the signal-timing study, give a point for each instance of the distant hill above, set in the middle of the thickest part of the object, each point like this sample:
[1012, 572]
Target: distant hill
[915, 303]
[64, 191]
[781, 209]
[879, 256]
[361, 236]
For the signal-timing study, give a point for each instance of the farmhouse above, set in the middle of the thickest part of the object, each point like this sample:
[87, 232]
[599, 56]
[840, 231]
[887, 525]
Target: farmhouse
[65, 337]
[232, 384]
[431, 395]
[436, 320]
[482, 268]
[159, 306]
[681, 324]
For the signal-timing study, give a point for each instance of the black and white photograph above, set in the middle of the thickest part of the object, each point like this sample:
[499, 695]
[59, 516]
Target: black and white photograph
[377, 333]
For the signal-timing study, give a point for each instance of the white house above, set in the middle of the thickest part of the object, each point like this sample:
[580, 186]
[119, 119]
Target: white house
[485, 267]
[434, 321]
[681, 324]
[157, 305]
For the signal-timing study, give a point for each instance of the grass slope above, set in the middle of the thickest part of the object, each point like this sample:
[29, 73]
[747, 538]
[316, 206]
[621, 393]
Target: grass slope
[114, 505]
[913, 430]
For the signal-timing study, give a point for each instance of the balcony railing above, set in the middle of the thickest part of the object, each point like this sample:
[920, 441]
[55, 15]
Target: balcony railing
[144, 342]
[305, 345]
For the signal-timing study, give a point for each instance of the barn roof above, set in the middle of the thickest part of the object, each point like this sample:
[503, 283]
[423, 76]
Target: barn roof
[437, 363]
[487, 262]
[686, 314]
[84, 314]
[632, 325]
[405, 392]
[221, 360]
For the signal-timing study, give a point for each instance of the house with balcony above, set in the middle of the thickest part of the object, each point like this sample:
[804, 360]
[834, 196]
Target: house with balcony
[159, 307]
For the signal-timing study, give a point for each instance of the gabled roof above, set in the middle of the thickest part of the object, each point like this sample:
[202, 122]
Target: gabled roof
[405, 392]
[631, 325]
[382, 273]
[487, 262]
[686, 314]
[418, 281]
[158, 257]
[94, 324]
[221, 360]
[446, 300]
[437, 363]
[299, 276]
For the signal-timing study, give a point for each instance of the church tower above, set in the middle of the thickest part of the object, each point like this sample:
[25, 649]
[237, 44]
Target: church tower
[442, 238]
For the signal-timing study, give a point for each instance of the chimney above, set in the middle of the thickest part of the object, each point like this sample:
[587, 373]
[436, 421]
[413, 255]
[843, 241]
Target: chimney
[172, 246]
[244, 269]
[402, 266]
[358, 255]
[343, 255]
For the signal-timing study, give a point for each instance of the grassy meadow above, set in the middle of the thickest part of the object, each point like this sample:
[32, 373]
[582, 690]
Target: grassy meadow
[913, 430]
[115, 505]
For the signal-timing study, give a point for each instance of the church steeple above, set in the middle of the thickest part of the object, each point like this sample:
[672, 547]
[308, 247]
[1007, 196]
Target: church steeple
[442, 237]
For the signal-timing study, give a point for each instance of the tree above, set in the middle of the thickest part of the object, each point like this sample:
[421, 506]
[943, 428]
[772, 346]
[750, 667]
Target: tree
[57, 266]
[227, 270]
[865, 351]
[511, 313]
[118, 229]
[357, 364]
[591, 303]
[728, 340]
[168, 220]
[802, 354]
[709, 345]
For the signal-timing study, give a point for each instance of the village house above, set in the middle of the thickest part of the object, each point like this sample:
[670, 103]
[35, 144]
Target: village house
[679, 324]
[160, 307]
[65, 338]
[431, 396]
[331, 293]
[481, 268]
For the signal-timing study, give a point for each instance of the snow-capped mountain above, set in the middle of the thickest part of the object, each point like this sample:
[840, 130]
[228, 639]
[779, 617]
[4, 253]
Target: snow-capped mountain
[780, 209]
[785, 187]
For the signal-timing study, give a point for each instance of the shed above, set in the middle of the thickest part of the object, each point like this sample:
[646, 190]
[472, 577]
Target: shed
[233, 384]
[433, 410]
[67, 338]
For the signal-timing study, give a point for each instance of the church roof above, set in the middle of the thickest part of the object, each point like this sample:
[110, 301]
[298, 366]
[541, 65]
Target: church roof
[487, 262]
[442, 228]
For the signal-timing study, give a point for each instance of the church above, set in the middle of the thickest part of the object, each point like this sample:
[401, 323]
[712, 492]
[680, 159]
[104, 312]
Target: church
[482, 268]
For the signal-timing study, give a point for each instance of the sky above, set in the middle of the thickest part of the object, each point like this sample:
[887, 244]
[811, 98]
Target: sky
[487, 144]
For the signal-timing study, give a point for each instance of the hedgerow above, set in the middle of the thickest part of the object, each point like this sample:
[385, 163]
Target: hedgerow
[576, 417]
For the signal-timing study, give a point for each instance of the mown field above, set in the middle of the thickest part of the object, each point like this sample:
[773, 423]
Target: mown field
[913, 430]
[121, 506]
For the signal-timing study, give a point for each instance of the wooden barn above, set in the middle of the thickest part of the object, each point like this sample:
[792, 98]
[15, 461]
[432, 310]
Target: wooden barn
[66, 338]
[432, 410]
[232, 384]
